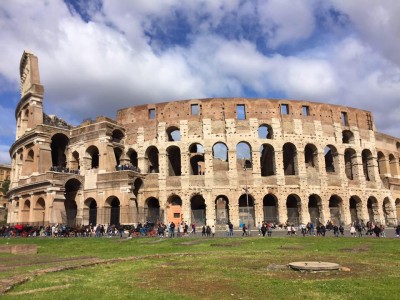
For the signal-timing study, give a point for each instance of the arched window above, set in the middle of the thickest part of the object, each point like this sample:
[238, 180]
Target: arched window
[198, 210]
[59, 143]
[265, 132]
[117, 153]
[350, 161]
[290, 159]
[153, 210]
[117, 136]
[152, 160]
[393, 162]
[335, 208]
[331, 159]
[267, 160]
[197, 166]
[133, 157]
[220, 157]
[368, 166]
[382, 163]
[243, 156]
[93, 154]
[347, 137]
[311, 156]
[173, 134]
[293, 205]
[174, 161]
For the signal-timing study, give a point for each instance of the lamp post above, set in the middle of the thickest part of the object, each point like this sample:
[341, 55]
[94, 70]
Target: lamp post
[247, 195]
[43, 218]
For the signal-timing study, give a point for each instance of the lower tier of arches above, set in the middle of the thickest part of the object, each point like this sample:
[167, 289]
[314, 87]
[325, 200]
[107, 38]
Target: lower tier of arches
[238, 208]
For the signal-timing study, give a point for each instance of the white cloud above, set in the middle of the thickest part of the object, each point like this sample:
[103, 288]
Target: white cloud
[95, 68]
[377, 23]
[286, 21]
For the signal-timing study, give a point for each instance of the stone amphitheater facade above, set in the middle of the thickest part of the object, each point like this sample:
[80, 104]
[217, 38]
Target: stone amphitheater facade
[203, 161]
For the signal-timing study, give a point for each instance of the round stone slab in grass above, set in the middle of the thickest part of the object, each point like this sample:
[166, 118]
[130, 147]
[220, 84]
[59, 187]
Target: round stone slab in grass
[314, 266]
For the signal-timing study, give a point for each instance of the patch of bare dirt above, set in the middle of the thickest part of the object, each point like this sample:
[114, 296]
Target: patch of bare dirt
[360, 248]
[48, 289]
[294, 247]
[235, 244]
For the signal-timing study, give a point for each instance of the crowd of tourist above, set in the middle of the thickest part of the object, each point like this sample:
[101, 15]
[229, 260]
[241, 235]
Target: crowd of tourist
[127, 167]
[61, 169]
[182, 229]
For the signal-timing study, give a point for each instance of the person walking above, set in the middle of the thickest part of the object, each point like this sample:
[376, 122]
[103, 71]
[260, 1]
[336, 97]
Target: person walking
[244, 230]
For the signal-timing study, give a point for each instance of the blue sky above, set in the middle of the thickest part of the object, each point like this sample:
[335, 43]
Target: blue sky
[98, 56]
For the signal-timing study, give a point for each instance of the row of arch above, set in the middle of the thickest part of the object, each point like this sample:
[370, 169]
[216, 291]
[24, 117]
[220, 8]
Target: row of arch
[220, 153]
[294, 210]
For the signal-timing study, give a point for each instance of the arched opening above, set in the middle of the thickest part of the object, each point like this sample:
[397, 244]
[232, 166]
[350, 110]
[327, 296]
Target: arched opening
[29, 163]
[174, 161]
[153, 210]
[265, 132]
[246, 210]
[173, 134]
[293, 206]
[290, 159]
[221, 210]
[117, 136]
[347, 137]
[174, 209]
[355, 205]
[39, 211]
[59, 143]
[270, 204]
[398, 210]
[93, 154]
[315, 208]
[393, 162]
[133, 157]
[137, 190]
[267, 160]
[382, 163]
[243, 156]
[90, 212]
[197, 166]
[373, 209]
[368, 165]
[75, 165]
[350, 161]
[117, 154]
[311, 156]
[25, 212]
[387, 212]
[331, 159]
[220, 157]
[335, 209]
[72, 187]
[113, 205]
[198, 210]
[398, 146]
[152, 160]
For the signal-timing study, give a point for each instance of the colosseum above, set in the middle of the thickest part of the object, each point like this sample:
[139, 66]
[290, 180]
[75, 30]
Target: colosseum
[202, 161]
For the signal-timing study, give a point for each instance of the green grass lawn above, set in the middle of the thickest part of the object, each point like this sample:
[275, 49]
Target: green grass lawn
[238, 268]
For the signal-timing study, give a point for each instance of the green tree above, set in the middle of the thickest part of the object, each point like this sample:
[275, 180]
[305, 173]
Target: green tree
[5, 186]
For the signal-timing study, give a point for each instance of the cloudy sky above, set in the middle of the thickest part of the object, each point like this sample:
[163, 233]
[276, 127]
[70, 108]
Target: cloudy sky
[98, 56]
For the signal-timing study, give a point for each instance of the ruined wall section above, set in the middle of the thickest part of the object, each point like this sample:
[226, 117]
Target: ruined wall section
[303, 123]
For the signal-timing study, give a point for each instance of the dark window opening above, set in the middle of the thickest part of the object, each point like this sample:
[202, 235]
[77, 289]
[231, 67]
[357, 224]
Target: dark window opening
[305, 110]
[345, 120]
